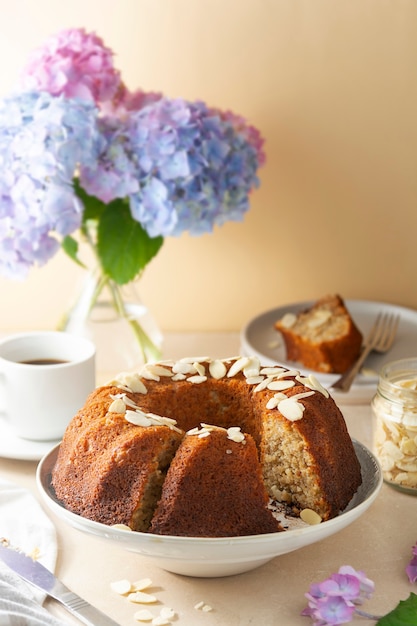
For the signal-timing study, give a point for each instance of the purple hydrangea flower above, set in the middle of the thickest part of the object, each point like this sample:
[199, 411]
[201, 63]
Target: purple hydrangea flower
[332, 602]
[411, 568]
[366, 586]
[113, 174]
[74, 63]
[42, 140]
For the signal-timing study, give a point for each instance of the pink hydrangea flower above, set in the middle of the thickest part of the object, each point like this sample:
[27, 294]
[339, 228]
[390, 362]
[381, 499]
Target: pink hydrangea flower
[73, 63]
[332, 602]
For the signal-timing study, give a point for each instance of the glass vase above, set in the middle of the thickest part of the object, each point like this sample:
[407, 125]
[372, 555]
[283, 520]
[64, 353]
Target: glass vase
[113, 316]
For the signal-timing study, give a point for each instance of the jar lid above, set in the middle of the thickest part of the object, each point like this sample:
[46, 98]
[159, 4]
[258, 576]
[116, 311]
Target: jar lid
[398, 381]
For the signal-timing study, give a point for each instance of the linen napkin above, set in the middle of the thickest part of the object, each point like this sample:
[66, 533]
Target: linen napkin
[24, 524]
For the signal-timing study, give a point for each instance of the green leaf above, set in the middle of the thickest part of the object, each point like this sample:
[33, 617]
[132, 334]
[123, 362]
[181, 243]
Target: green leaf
[70, 247]
[405, 614]
[124, 247]
[93, 207]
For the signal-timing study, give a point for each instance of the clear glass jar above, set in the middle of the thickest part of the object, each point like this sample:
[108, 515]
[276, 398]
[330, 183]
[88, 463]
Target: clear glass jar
[394, 409]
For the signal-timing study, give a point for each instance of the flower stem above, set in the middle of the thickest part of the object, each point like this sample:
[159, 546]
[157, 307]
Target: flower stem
[368, 615]
[89, 298]
[150, 352]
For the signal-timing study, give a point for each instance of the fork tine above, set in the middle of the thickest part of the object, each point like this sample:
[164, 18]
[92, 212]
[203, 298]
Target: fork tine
[380, 338]
[373, 333]
[390, 331]
[385, 327]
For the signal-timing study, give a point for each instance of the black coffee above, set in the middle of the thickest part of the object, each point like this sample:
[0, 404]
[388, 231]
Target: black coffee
[43, 362]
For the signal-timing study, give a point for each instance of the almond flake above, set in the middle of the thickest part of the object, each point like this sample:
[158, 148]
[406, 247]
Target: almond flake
[235, 434]
[254, 380]
[117, 406]
[280, 385]
[193, 431]
[312, 383]
[263, 385]
[217, 369]
[167, 612]
[159, 370]
[252, 368]
[287, 374]
[142, 584]
[178, 377]
[238, 366]
[128, 402]
[148, 374]
[122, 587]
[291, 409]
[141, 598]
[130, 382]
[303, 394]
[200, 369]
[197, 379]
[137, 386]
[272, 371]
[183, 368]
[310, 517]
[137, 418]
[121, 527]
[144, 615]
[275, 400]
[160, 621]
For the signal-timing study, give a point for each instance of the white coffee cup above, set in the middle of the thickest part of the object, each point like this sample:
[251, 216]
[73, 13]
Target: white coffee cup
[45, 378]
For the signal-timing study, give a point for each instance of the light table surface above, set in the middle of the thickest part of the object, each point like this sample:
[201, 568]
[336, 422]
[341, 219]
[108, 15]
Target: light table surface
[379, 543]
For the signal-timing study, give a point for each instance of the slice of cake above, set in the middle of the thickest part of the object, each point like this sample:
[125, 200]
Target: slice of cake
[214, 488]
[324, 338]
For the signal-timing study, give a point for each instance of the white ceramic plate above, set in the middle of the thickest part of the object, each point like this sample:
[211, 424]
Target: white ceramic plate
[212, 557]
[260, 338]
[13, 447]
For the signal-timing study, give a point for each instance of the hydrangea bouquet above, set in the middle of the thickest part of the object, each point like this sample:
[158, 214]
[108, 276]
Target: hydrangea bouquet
[80, 154]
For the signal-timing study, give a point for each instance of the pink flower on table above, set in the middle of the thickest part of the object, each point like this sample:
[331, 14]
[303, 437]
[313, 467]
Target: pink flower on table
[74, 63]
[411, 568]
[333, 601]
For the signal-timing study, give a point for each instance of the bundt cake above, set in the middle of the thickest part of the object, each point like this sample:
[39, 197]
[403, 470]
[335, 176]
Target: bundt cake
[136, 453]
[324, 338]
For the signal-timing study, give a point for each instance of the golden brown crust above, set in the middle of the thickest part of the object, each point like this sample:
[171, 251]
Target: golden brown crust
[214, 488]
[324, 338]
[106, 466]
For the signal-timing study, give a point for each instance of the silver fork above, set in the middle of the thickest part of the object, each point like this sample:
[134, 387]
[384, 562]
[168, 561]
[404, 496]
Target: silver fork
[380, 338]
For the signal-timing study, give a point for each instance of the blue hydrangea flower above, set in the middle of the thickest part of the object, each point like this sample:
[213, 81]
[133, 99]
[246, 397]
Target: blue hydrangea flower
[196, 169]
[42, 141]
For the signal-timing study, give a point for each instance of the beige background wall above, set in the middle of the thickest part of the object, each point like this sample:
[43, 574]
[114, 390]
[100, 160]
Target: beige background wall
[332, 85]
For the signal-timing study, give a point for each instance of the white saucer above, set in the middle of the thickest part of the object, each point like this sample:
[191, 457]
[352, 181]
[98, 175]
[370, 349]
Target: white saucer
[260, 338]
[13, 447]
